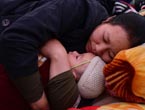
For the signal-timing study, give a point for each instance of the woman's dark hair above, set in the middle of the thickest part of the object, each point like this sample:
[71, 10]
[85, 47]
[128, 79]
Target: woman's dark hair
[133, 24]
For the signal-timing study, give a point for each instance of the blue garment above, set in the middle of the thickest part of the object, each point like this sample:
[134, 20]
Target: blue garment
[28, 24]
[69, 21]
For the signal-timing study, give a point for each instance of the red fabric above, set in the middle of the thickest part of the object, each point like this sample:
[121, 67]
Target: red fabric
[85, 108]
[10, 99]
[44, 71]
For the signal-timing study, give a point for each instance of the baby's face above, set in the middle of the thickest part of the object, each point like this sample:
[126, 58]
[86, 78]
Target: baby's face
[75, 59]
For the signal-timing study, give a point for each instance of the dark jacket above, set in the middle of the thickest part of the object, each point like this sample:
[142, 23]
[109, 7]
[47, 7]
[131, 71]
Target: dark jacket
[36, 21]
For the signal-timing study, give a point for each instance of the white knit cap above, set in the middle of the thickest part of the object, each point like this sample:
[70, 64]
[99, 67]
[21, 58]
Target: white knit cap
[91, 83]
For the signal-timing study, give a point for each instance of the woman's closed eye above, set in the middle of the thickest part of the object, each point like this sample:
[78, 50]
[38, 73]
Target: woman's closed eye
[105, 38]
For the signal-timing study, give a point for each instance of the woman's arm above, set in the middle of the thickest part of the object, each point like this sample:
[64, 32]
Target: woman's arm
[57, 54]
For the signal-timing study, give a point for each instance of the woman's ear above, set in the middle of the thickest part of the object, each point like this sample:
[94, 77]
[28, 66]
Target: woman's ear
[108, 19]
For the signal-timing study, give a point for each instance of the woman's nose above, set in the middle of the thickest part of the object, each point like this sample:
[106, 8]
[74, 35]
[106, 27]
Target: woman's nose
[101, 49]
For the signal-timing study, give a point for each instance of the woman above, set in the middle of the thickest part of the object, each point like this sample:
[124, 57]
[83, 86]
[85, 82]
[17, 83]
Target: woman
[25, 22]
[118, 33]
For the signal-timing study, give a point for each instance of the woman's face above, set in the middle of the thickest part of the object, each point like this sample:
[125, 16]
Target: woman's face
[76, 59]
[107, 40]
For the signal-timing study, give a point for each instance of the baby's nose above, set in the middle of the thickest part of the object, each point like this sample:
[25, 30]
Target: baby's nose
[75, 52]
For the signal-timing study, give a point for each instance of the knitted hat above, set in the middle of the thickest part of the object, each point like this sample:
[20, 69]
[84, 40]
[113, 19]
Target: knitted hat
[91, 83]
[125, 75]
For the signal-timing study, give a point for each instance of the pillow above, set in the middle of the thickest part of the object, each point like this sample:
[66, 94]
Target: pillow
[125, 75]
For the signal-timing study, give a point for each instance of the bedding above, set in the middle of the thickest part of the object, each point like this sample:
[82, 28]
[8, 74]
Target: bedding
[125, 75]
[114, 106]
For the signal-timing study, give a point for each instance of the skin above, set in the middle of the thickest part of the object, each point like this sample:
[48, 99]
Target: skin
[62, 61]
[107, 40]
[75, 59]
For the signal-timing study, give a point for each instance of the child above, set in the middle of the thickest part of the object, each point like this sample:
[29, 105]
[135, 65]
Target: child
[65, 69]
[55, 51]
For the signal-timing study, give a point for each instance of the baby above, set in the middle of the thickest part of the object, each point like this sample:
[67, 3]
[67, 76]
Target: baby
[86, 69]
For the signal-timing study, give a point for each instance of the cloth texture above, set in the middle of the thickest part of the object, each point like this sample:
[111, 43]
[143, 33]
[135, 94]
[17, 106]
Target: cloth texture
[10, 98]
[114, 106]
[91, 83]
[30, 82]
[125, 75]
[122, 7]
[62, 91]
[37, 28]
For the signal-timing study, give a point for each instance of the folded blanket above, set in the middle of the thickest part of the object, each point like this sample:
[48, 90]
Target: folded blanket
[125, 75]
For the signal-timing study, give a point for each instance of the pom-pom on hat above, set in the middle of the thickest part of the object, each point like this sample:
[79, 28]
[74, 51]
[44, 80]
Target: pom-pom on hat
[91, 83]
[125, 75]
